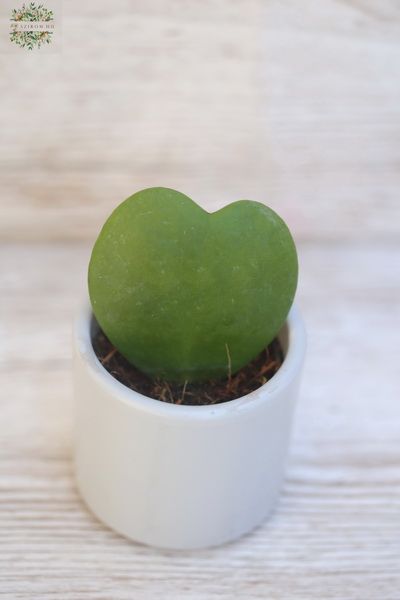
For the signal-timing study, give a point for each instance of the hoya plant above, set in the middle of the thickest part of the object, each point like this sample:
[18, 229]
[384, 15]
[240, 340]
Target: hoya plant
[186, 295]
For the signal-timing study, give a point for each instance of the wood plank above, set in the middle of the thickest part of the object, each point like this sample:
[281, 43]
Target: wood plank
[296, 106]
[336, 532]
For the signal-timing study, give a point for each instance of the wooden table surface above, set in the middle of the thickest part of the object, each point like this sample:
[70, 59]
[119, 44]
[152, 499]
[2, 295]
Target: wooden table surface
[336, 533]
[295, 104]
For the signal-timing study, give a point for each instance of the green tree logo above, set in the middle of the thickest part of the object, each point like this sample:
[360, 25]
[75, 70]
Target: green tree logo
[31, 26]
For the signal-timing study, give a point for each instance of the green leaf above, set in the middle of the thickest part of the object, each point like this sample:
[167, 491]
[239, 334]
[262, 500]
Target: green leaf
[181, 292]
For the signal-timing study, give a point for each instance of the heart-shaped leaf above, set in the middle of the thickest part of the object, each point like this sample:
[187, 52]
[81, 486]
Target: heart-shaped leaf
[188, 295]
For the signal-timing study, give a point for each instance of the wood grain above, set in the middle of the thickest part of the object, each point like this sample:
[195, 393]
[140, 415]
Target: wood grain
[336, 532]
[296, 105]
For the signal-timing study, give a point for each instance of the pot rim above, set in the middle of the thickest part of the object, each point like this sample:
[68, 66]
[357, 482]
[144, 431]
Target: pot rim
[289, 369]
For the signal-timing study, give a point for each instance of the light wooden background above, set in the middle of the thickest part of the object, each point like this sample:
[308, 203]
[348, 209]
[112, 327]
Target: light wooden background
[293, 103]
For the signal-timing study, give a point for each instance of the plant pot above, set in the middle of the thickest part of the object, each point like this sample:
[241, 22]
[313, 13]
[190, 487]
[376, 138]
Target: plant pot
[177, 476]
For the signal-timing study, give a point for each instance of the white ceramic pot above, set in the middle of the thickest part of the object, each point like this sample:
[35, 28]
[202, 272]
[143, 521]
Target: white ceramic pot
[176, 476]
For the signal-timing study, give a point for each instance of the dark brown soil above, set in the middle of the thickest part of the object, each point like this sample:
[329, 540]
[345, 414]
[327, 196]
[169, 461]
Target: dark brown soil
[248, 379]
